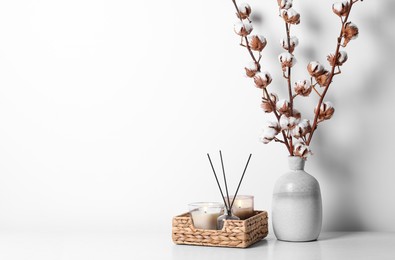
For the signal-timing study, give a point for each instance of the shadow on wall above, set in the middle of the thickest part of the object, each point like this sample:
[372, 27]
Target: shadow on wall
[340, 166]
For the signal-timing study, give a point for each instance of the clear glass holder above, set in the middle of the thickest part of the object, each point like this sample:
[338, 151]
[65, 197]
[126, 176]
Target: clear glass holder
[227, 216]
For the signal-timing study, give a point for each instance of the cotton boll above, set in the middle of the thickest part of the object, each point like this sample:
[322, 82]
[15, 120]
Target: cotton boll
[294, 41]
[293, 121]
[341, 8]
[262, 80]
[283, 107]
[303, 87]
[257, 42]
[323, 79]
[268, 135]
[273, 124]
[287, 60]
[284, 4]
[301, 150]
[244, 11]
[251, 69]
[267, 105]
[341, 58]
[326, 111]
[288, 123]
[290, 16]
[243, 29]
[301, 129]
[350, 32]
[315, 69]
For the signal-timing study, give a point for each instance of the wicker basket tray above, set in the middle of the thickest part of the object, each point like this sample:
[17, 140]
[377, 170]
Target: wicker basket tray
[235, 233]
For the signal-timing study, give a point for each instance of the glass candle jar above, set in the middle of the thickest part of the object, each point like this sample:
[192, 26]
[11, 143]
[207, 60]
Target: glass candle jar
[243, 206]
[205, 214]
[226, 216]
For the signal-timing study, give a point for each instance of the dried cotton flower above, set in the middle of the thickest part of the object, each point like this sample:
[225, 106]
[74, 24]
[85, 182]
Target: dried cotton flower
[303, 87]
[290, 16]
[270, 131]
[301, 129]
[305, 125]
[244, 11]
[323, 79]
[284, 4]
[315, 69]
[283, 106]
[243, 29]
[301, 150]
[257, 42]
[341, 58]
[297, 132]
[262, 80]
[267, 105]
[287, 60]
[293, 42]
[341, 8]
[251, 69]
[350, 32]
[288, 123]
[268, 135]
[273, 124]
[326, 111]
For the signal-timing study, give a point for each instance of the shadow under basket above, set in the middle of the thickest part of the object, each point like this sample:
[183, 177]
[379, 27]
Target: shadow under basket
[235, 233]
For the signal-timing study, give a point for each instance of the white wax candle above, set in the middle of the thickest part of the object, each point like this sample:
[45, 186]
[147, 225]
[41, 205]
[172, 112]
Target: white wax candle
[202, 219]
[243, 207]
[243, 213]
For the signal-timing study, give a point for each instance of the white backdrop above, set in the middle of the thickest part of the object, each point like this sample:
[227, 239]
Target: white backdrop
[108, 108]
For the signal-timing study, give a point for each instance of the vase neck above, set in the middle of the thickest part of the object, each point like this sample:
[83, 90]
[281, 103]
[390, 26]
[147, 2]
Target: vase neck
[296, 163]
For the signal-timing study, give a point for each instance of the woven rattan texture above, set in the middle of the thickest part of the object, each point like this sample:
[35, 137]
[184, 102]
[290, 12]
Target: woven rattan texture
[235, 233]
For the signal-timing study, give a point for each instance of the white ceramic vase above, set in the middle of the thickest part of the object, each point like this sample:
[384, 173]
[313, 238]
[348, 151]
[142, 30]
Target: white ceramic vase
[297, 204]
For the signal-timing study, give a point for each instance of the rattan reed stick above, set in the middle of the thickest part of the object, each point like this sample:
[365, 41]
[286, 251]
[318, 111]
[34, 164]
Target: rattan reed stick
[226, 185]
[216, 178]
[241, 179]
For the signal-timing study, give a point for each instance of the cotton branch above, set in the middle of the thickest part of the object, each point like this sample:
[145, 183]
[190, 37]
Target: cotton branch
[265, 92]
[246, 39]
[332, 73]
[289, 121]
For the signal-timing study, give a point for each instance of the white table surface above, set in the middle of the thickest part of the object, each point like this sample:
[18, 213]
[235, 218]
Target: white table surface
[128, 245]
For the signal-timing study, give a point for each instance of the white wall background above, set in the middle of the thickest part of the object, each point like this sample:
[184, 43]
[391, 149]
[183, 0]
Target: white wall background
[108, 108]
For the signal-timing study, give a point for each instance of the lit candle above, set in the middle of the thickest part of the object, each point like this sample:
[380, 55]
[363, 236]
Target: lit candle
[204, 215]
[243, 207]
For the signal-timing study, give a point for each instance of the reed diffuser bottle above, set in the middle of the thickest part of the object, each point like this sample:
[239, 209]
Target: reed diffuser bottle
[227, 216]
[228, 204]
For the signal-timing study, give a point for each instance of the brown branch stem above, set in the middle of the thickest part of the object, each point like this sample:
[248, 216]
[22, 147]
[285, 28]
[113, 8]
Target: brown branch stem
[247, 45]
[278, 140]
[278, 119]
[291, 103]
[328, 83]
[289, 69]
[289, 146]
[316, 91]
